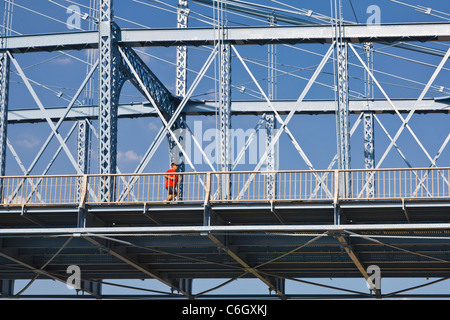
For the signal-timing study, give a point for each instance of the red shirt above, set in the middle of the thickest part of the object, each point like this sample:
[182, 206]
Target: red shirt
[169, 182]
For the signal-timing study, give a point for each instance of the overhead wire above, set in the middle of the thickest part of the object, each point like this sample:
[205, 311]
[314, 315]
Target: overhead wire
[59, 94]
[256, 93]
[82, 16]
[45, 15]
[306, 12]
[426, 10]
[282, 72]
[173, 8]
[191, 70]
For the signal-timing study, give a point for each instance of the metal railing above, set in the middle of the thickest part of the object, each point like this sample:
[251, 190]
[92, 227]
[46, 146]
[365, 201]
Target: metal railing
[273, 185]
[423, 183]
[236, 186]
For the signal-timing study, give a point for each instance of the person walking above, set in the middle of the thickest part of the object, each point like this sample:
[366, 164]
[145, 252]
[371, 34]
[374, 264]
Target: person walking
[171, 182]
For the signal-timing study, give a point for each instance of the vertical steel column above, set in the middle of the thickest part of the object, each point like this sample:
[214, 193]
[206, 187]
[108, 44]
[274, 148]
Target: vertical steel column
[342, 100]
[83, 145]
[225, 107]
[4, 90]
[270, 120]
[181, 83]
[83, 137]
[182, 22]
[342, 109]
[82, 161]
[225, 142]
[91, 54]
[272, 156]
[271, 68]
[108, 99]
[4, 85]
[369, 138]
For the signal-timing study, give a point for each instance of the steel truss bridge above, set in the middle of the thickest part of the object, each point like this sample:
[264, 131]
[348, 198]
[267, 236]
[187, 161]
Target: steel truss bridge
[275, 225]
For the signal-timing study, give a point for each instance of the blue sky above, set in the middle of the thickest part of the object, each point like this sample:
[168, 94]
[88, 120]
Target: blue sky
[62, 73]
[57, 73]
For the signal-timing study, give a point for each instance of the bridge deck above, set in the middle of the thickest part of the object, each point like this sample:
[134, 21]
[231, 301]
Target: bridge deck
[302, 230]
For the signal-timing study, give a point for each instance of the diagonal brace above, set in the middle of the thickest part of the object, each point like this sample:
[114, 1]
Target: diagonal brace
[354, 257]
[245, 265]
[45, 113]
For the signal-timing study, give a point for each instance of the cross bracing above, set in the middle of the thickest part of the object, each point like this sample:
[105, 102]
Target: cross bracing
[238, 93]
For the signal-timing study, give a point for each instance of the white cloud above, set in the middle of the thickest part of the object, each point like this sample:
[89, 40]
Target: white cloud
[128, 156]
[27, 141]
[152, 127]
[65, 61]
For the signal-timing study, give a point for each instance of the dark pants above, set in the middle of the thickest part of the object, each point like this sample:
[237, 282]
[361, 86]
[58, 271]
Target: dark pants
[172, 191]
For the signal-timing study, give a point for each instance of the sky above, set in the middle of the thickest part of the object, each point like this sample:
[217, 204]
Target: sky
[401, 73]
[59, 75]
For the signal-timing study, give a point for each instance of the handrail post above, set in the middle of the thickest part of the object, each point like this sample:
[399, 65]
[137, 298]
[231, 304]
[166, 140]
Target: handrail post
[206, 203]
[336, 208]
[81, 222]
[208, 189]
[336, 187]
[83, 196]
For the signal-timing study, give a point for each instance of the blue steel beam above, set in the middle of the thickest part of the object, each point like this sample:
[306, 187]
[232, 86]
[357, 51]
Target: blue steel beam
[4, 90]
[181, 86]
[393, 33]
[205, 108]
[4, 84]
[109, 91]
[342, 96]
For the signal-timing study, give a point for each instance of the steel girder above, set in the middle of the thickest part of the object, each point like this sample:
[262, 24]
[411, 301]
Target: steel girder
[182, 22]
[4, 86]
[270, 119]
[369, 135]
[181, 85]
[83, 145]
[342, 113]
[109, 87]
[342, 97]
[413, 32]
[272, 155]
[225, 142]
[195, 108]
[4, 90]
